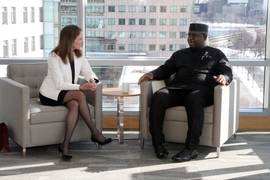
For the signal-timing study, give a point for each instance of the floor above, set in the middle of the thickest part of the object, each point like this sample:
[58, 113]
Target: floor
[246, 157]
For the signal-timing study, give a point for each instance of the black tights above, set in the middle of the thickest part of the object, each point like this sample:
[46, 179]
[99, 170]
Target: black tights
[76, 102]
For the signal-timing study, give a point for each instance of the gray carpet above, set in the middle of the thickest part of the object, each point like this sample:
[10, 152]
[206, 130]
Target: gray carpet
[246, 157]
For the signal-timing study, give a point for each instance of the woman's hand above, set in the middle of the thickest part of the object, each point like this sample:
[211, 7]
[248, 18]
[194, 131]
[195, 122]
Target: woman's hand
[90, 86]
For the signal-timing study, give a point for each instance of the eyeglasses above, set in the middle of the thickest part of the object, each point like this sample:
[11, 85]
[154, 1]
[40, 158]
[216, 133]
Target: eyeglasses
[193, 35]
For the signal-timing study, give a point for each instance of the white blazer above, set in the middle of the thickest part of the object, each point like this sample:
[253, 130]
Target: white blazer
[59, 76]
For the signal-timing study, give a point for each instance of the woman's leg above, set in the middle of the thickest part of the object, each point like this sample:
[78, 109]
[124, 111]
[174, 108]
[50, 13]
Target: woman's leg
[71, 121]
[83, 109]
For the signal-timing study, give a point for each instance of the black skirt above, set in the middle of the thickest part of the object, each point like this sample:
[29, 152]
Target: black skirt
[50, 102]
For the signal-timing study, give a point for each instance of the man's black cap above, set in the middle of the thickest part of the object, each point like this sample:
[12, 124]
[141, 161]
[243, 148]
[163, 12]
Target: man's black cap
[198, 27]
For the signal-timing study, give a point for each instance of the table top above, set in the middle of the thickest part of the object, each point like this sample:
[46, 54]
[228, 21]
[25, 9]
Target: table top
[117, 92]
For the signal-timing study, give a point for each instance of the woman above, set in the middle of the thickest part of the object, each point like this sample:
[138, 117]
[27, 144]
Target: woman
[59, 87]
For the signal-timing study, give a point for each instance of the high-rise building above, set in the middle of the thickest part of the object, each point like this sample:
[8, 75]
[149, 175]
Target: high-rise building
[21, 29]
[152, 28]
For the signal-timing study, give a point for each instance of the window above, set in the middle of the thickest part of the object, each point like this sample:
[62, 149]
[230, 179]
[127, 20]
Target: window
[72, 10]
[13, 15]
[132, 47]
[94, 1]
[26, 50]
[25, 16]
[173, 9]
[70, 20]
[152, 9]
[111, 34]
[162, 34]
[173, 22]
[142, 34]
[162, 47]
[172, 47]
[131, 22]
[121, 47]
[172, 35]
[152, 47]
[4, 15]
[142, 8]
[33, 43]
[142, 47]
[237, 44]
[183, 35]
[95, 23]
[183, 22]
[41, 14]
[5, 48]
[131, 8]
[162, 22]
[182, 46]
[142, 21]
[94, 10]
[121, 34]
[183, 9]
[14, 47]
[163, 8]
[152, 22]
[121, 8]
[41, 41]
[132, 34]
[111, 8]
[111, 21]
[121, 21]
[94, 33]
[152, 34]
[32, 14]
[110, 47]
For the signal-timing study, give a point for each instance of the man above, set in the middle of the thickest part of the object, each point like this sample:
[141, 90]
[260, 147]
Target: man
[198, 69]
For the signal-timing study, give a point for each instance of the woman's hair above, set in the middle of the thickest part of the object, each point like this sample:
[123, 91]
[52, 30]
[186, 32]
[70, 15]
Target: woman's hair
[64, 48]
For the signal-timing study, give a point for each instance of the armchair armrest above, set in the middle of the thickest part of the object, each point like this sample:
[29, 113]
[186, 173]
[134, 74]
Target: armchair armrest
[95, 99]
[225, 112]
[15, 96]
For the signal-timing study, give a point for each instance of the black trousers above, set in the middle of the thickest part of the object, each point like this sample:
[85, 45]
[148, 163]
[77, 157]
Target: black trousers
[194, 102]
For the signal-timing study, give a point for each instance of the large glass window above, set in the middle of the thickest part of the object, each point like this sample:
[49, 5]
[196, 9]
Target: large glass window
[238, 28]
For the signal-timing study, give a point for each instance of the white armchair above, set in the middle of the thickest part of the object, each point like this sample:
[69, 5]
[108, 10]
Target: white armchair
[220, 119]
[32, 124]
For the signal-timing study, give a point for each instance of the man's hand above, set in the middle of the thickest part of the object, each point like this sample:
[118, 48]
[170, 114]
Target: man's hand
[145, 77]
[220, 79]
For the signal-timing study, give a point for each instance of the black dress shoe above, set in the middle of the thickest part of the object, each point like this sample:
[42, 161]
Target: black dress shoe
[185, 155]
[160, 151]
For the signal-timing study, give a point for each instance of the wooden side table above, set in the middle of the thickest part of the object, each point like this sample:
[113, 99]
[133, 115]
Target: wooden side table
[117, 92]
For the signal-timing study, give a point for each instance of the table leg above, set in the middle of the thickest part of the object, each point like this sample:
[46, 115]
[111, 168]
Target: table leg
[120, 119]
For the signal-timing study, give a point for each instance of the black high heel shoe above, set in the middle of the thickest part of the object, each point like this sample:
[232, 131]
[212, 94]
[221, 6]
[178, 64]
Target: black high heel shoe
[107, 141]
[65, 157]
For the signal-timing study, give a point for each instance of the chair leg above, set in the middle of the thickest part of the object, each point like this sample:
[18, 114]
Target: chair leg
[142, 143]
[234, 135]
[218, 152]
[24, 152]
